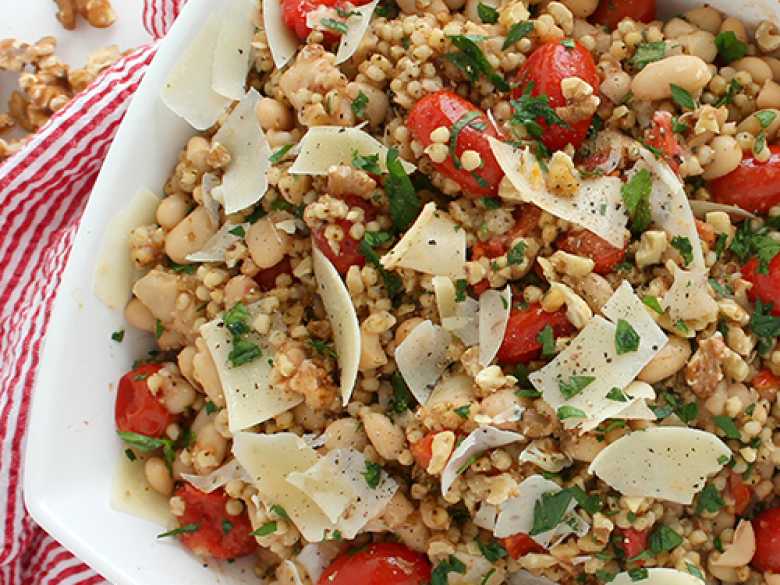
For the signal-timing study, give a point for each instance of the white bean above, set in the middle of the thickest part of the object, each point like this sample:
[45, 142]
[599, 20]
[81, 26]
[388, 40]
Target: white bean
[205, 373]
[139, 316]
[677, 27]
[706, 18]
[700, 44]
[757, 68]
[345, 433]
[273, 114]
[378, 102]
[769, 96]
[172, 210]
[726, 157]
[189, 235]
[267, 245]
[734, 25]
[158, 476]
[752, 125]
[387, 439]
[655, 80]
[670, 360]
[581, 8]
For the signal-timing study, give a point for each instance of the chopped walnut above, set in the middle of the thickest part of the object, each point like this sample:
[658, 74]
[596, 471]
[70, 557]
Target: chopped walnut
[562, 178]
[292, 371]
[703, 372]
[98, 13]
[581, 104]
[346, 180]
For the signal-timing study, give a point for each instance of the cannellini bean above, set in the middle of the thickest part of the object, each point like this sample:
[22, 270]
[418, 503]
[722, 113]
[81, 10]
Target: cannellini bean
[139, 316]
[158, 291]
[184, 361]
[756, 66]
[655, 80]
[667, 362]
[774, 65]
[677, 27]
[237, 288]
[700, 44]
[767, 36]
[158, 476]
[345, 433]
[734, 25]
[616, 85]
[706, 18]
[581, 8]
[178, 395]
[582, 448]
[726, 157]
[378, 102]
[189, 235]
[398, 509]
[172, 210]
[267, 245]
[769, 96]
[752, 125]
[205, 373]
[387, 438]
[372, 354]
[273, 114]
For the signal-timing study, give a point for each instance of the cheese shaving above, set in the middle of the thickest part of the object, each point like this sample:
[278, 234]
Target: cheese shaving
[217, 478]
[250, 397]
[494, 308]
[343, 320]
[215, 248]
[659, 577]
[333, 492]
[434, 244]
[689, 297]
[465, 324]
[596, 206]
[444, 293]
[422, 358]
[316, 557]
[281, 40]
[701, 208]
[325, 146]
[485, 516]
[477, 442]
[233, 51]
[667, 463]
[244, 182]
[357, 27]
[525, 578]
[552, 462]
[207, 186]
[188, 89]
[115, 272]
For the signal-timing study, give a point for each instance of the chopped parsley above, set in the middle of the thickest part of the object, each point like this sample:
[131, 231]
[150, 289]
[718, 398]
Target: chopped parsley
[492, 551]
[211, 407]
[183, 268]
[549, 511]
[186, 529]
[747, 243]
[684, 247]
[730, 48]
[338, 26]
[323, 348]
[574, 386]
[682, 98]
[648, 53]
[130, 455]
[727, 425]
[528, 393]
[375, 239]
[547, 338]
[236, 319]
[517, 254]
[568, 43]
[159, 329]
[518, 30]
[359, 105]
[404, 203]
[663, 539]
[765, 118]
[279, 511]
[227, 526]
[147, 444]
[636, 196]
[463, 411]
[279, 154]
[471, 119]
[720, 245]
[728, 97]
[439, 575]
[528, 109]
[472, 61]
[681, 326]
[469, 462]
[491, 203]
[617, 395]
[765, 325]
[486, 577]
[118, 336]
[402, 397]
[461, 285]
[372, 474]
[709, 500]
[694, 570]
[265, 529]
[366, 162]
[238, 231]
[243, 352]
[626, 337]
[487, 14]
[638, 574]
[653, 303]
[567, 411]
[392, 281]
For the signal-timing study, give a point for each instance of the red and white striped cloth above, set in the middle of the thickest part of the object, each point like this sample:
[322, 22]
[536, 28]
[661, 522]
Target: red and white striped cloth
[43, 191]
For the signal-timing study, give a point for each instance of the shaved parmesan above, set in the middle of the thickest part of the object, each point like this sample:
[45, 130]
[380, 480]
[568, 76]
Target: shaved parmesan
[281, 39]
[517, 514]
[638, 393]
[292, 570]
[667, 463]
[315, 558]
[659, 577]
[233, 51]
[208, 184]
[245, 181]
[358, 25]
[444, 292]
[249, 395]
[269, 459]
[343, 320]
[689, 297]
[325, 146]
[465, 324]
[477, 442]
[333, 493]
[422, 358]
[552, 462]
[702, 208]
[455, 390]
[477, 566]
[494, 310]
[215, 248]
[485, 516]
[593, 354]
[217, 478]
[188, 90]
[526, 578]
[115, 272]
[596, 206]
[434, 244]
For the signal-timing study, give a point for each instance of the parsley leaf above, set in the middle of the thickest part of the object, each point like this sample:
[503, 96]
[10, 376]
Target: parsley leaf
[335, 25]
[519, 30]
[265, 529]
[517, 254]
[159, 329]
[731, 91]
[684, 247]
[468, 119]
[491, 202]
[492, 551]
[366, 162]
[547, 338]
[626, 337]
[372, 474]
[663, 539]
[211, 407]
[730, 47]
[130, 455]
[118, 336]
[392, 281]
[279, 511]
[404, 204]
[402, 397]
[472, 61]
[567, 411]
[528, 393]
[323, 348]
[694, 570]
[460, 289]
[236, 319]
[653, 303]
[574, 386]
[463, 411]
[147, 444]
[238, 231]
[528, 109]
[568, 43]
[549, 511]
[617, 395]
[359, 105]
[709, 500]
[764, 324]
[647, 53]
[487, 14]
[765, 118]
[638, 574]
[444, 568]
[682, 98]
[186, 529]
[727, 425]
[636, 196]
[279, 154]
[243, 352]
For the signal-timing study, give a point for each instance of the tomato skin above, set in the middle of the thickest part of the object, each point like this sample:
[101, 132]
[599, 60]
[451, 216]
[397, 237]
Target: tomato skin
[767, 528]
[766, 287]
[294, 13]
[526, 218]
[136, 409]
[611, 12]
[754, 186]
[208, 512]
[445, 108]
[266, 279]
[384, 563]
[741, 493]
[545, 68]
[586, 243]
[633, 541]
[661, 136]
[422, 450]
[520, 344]
[349, 248]
[520, 544]
[766, 384]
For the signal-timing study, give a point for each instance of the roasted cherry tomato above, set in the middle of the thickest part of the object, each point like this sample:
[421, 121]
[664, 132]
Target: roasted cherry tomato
[266, 279]
[633, 541]
[766, 287]
[767, 528]
[662, 137]
[520, 544]
[545, 69]
[349, 248]
[526, 221]
[766, 384]
[754, 186]
[422, 450]
[384, 563]
[136, 409]
[295, 12]
[218, 534]
[521, 343]
[741, 493]
[585, 243]
[611, 12]
[469, 128]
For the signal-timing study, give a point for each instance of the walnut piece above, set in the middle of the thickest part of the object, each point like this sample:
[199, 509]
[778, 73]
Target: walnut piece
[98, 13]
[703, 372]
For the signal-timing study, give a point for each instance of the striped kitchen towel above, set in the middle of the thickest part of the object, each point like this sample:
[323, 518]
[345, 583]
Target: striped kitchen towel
[43, 191]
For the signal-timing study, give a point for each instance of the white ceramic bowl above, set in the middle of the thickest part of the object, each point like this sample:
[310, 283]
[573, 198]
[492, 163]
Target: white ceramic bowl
[72, 448]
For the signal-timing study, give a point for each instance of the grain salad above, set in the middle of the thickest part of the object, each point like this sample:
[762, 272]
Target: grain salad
[463, 293]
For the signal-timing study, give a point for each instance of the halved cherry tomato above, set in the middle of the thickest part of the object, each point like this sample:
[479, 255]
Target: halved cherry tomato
[384, 563]
[349, 248]
[521, 343]
[219, 535]
[266, 279]
[520, 544]
[585, 243]
[633, 541]
[611, 12]
[766, 384]
[295, 12]
[766, 287]
[526, 218]
[136, 409]
[754, 186]
[448, 109]
[661, 136]
[741, 493]
[422, 450]
[546, 68]
[767, 528]
[706, 232]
